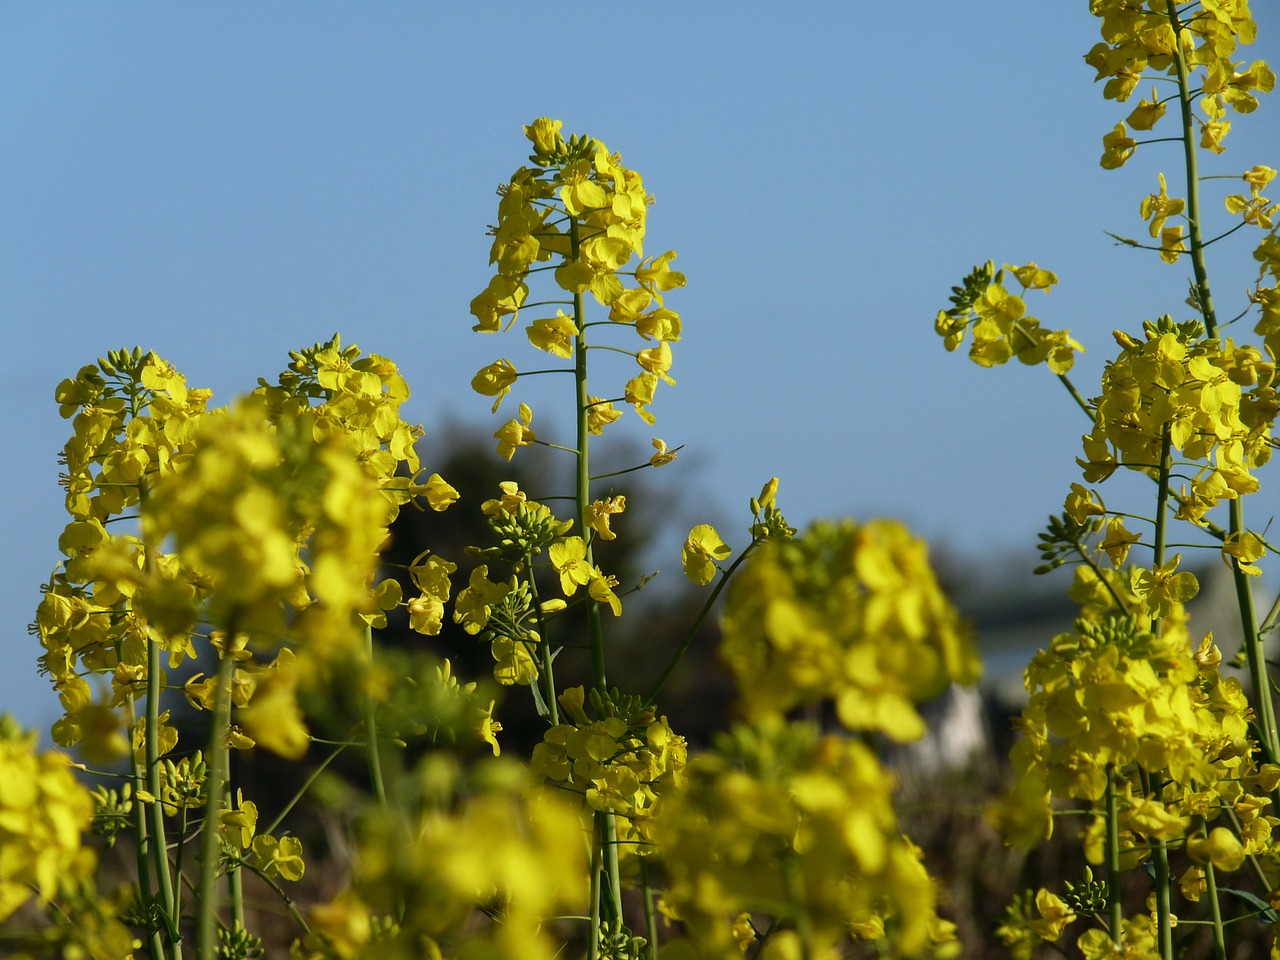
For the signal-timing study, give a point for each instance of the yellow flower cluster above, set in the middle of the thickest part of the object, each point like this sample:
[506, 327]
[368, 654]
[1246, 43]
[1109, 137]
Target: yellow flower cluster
[1215, 401]
[850, 613]
[44, 810]
[1031, 921]
[1267, 295]
[503, 615]
[252, 497]
[275, 510]
[579, 205]
[359, 399]
[1138, 37]
[1001, 327]
[798, 831]
[1114, 698]
[625, 762]
[1113, 695]
[480, 879]
[134, 422]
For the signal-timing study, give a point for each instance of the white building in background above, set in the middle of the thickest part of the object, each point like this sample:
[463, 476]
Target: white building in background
[1015, 619]
[959, 736]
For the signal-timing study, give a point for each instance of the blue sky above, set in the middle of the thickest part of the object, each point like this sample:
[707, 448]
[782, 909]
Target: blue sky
[225, 183]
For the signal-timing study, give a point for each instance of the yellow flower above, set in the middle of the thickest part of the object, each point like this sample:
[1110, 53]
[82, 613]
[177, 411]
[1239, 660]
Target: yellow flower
[44, 810]
[554, 335]
[662, 324]
[1171, 244]
[569, 557]
[509, 503]
[663, 456]
[639, 393]
[1024, 815]
[495, 380]
[848, 613]
[1117, 147]
[545, 134]
[1083, 503]
[998, 308]
[656, 275]
[1147, 113]
[1221, 847]
[778, 791]
[440, 495]
[1054, 917]
[281, 857]
[1137, 941]
[273, 718]
[600, 413]
[513, 662]
[1158, 207]
[515, 433]
[1213, 133]
[426, 615]
[601, 591]
[1258, 177]
[1161, 588]
[474, 603]
[1244, 550]
[1033, 277]
[1193, 883]
[501, 298]
[489, 728]
[951, 329]
[579, 193]
[598, 513]
[241, 822]
[701, 551]
[744, 934]
[657, 361]
[1117, 541]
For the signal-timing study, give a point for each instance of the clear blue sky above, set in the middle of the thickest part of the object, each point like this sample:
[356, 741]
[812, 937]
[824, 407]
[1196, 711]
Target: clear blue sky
[227, 182]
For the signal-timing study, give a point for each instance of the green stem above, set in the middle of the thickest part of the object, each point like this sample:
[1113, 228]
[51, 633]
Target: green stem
[1081, 402]
[1164, 921]
[157, 835]
[617, 473]
[1271, 620]
[593, 937]
[612, 871]
[582, 485]
[1115, 909]
[1255, 653]
[371, 732]
[606, 831]
[1162, 498]
[289, 905]
[1160, 849]
[302, 791]
[793, 881]
[142, 849]
[1189, 156]
[215, 789]
[1215, 912]
[697, 624]
[179, 847]
[1244, 592]
[650, 915]
[1254, 863]
[547, 666]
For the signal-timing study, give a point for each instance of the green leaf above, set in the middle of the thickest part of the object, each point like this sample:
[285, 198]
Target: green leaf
[1262, 909]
